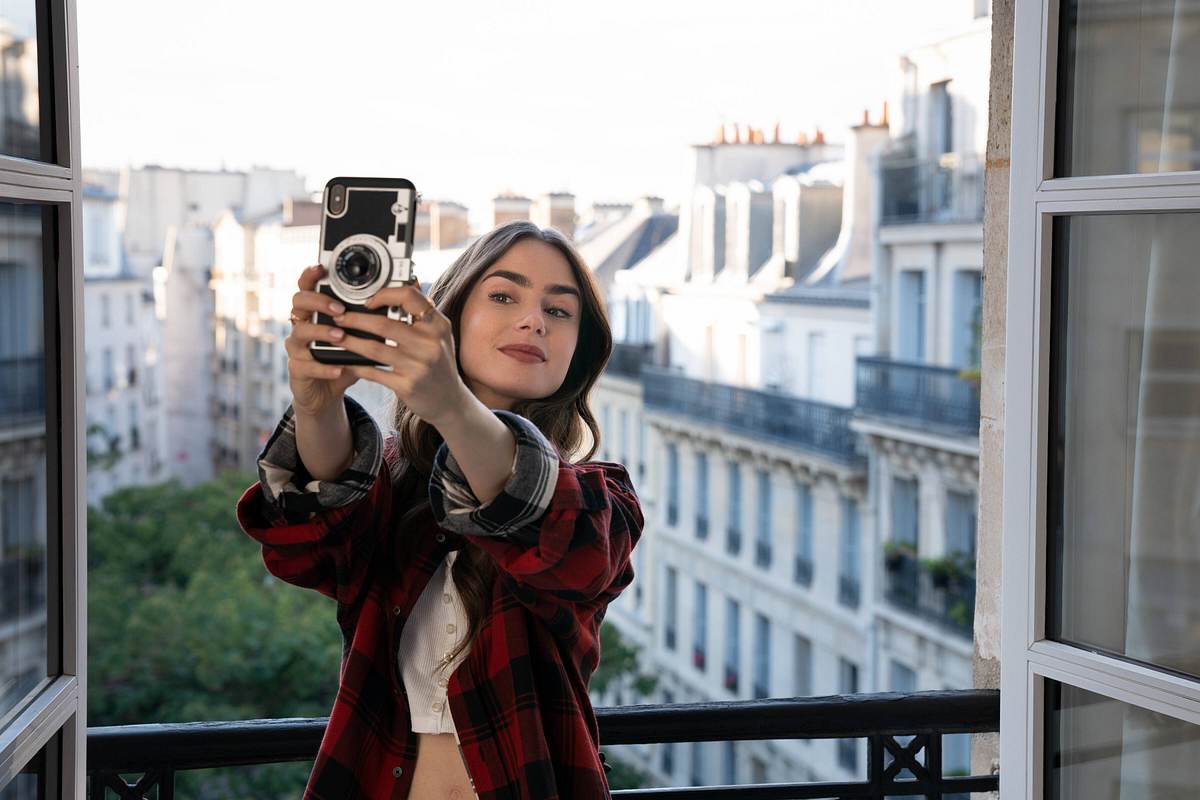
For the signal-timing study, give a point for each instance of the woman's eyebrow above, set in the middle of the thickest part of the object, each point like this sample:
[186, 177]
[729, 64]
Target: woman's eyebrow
[521, 280]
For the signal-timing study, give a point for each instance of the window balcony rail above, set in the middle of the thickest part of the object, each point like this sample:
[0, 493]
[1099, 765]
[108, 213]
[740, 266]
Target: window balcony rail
[936, 591]
[791, 421]
[156, 752]
[920, 394]
[848, 591]
[22, 386]
[943, 190]
[762, 554]
[627, 359]
[802, 572]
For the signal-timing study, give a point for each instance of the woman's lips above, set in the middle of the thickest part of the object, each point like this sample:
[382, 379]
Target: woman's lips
[521, 355]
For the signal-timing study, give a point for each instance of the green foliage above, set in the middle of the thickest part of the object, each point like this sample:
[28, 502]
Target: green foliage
[185, 624]
[618, 665]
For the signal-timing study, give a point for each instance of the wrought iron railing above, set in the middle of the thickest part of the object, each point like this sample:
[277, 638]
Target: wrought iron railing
[155, 753]
[943, 596]
[22, 386]
[627, 359]
[947, 189]
[929, 396]
[774, 416]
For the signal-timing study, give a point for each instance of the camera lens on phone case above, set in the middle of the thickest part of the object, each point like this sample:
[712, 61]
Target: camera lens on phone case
[357, 265]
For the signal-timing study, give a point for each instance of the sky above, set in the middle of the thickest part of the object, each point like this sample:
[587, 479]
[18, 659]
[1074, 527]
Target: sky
[469, 99]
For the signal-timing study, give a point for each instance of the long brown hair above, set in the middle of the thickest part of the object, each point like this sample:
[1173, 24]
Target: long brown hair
[561, 417]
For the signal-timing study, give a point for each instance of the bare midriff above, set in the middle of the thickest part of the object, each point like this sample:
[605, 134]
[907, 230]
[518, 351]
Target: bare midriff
[440, 772]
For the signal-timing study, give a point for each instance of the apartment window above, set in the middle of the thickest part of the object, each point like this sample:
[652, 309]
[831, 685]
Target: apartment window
[1101, 662]
[847, 749]
[730, 762]
[135, 436]
[701, 495]
[697, 764]
[802, 660]
[668, 748]
[129, 308]
[733, 539]
[906, 511]
[803, 569]
[672, 606]
[848, 554]
[623, 428]
[762, 657]
[901, 678]
[941, 123]
[639, 558]
[105, 310]
[605, 431]
[762, 549]
[961, 523]
[968, 306]
[131, 361]
[732, 653]
[110, 370]
[910, 333]
[700, 641]
[817, 369]
[672, 484]
[642, 435]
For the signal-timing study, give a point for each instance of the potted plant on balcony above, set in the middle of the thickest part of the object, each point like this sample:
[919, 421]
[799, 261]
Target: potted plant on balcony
[948, 569]
[896, 552]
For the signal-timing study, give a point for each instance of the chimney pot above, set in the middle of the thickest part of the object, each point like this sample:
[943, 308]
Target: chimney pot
[885, 113]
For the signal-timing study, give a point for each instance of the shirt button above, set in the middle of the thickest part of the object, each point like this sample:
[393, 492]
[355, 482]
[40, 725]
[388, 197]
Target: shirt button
[443, 682]
[445, 598]
[397, 771]
[395, 609]
[437, 706]
[441, 537]
[449, 627]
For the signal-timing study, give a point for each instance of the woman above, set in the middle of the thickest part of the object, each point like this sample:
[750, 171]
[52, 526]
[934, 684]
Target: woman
[471, 562]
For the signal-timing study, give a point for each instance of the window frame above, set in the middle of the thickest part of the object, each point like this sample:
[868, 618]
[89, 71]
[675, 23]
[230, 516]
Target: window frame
[1036, 198]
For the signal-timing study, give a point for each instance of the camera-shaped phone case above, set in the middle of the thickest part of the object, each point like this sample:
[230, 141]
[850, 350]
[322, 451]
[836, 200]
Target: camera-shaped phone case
[367, 227]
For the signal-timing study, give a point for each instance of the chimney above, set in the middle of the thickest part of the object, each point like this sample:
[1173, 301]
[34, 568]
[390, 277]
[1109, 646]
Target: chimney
[885, 116]
[737, 134]
[858, 200]
[719, 138]
[775, 140]
[819, 137]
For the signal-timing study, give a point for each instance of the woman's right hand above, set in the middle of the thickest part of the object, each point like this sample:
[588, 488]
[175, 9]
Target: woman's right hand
[315, 386]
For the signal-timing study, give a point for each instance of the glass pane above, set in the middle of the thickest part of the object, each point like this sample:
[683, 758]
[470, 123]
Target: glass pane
[1125, 437]
[20, 104]
[23, 631]
[37, 780]
[1128, 100]
[1100, 747]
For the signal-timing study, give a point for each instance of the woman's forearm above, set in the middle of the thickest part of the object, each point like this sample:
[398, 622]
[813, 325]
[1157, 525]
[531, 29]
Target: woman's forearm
[324, 441]
[483, 446]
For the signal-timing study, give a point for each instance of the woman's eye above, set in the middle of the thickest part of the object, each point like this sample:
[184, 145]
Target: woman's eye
[565, 314]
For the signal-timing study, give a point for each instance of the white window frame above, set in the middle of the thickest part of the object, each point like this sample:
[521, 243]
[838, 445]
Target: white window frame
[1029, 659]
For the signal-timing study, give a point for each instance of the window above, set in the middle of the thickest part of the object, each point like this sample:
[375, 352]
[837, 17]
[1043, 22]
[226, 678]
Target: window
[906, 512]
[733, 537]
[762, 545]
[941, 123]
[129, 307]
[803, 570]
[697, 763]
[131, 362]
[700, 634]
[668, 748]
[762, 656]
[642, 448]
[732, 653]
[701, 495]
[105, 310]
[623, 417]
[968, 305]
[672, 484]
[43, 665]
[960, 523]
[605, 431]
[816, 365]
[135, 437]
[672, 607]
[848, 550]
[847, 749]
[802, 660]
[901, 678]
[910, 329]
[730, 762]
[1101, 677]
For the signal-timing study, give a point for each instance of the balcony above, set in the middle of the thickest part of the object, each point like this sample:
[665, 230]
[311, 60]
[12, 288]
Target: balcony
[153, 754]
[791, 421]
[627, 359]
[917, 395]
[943, 190]
[940, 591]
[22, 386]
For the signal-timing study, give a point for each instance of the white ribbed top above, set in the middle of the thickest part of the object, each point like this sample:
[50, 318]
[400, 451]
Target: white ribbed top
[437, 624]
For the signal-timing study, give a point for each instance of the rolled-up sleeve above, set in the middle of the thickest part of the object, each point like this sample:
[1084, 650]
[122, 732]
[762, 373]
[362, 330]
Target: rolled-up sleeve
[558, 527]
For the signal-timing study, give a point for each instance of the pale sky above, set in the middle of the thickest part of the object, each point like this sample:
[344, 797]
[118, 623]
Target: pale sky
[471, 98]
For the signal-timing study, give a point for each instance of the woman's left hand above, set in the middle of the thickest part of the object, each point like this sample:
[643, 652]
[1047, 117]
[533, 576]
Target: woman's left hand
[424, 364]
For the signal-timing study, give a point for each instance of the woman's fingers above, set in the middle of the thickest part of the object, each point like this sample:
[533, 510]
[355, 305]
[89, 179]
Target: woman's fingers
[309, 277]
[311, 368]
[312, 332]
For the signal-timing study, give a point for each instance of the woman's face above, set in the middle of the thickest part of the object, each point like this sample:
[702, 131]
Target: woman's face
[529, 296]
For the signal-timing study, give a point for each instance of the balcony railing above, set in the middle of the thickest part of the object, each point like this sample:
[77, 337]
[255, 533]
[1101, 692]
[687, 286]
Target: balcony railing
[936, 592]
[948, 189]
[22, 386]
[920, 394]
[627, 359]
[774, 416]
[154, 753]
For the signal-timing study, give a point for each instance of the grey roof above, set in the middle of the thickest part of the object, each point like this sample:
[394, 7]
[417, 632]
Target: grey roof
[653, 231]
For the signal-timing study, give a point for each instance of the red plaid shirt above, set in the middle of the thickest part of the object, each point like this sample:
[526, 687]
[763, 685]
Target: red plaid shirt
[561, 535]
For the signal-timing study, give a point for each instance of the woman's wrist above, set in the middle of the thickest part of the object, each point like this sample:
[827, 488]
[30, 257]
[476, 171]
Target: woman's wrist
[324, 440]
